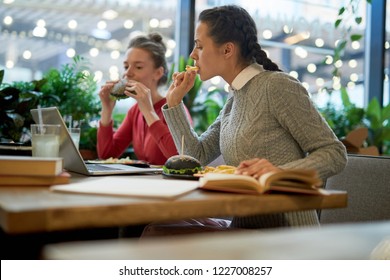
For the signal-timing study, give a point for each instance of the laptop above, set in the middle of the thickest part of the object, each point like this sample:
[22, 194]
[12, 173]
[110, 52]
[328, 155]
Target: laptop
[73, 161]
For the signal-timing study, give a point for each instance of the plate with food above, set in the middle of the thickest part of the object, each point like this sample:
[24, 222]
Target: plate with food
[126, 161]
[189, 168]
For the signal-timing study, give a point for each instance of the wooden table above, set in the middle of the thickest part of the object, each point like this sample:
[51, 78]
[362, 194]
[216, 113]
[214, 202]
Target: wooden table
[36, 209]
[359, 241]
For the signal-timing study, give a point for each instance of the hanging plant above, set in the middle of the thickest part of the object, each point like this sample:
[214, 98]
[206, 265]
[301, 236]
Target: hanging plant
[349, 117]
[347, 21]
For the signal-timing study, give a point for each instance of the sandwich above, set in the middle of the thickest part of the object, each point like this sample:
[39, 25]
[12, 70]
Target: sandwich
[118, 91]
[192, 68]
[182, 165]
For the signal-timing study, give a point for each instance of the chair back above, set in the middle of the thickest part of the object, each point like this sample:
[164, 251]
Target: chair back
[367, 182]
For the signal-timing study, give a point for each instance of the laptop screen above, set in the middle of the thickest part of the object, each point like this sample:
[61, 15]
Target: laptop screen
[73, 161]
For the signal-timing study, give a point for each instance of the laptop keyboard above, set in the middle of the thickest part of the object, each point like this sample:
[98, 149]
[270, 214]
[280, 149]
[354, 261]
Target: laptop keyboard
[98, 167]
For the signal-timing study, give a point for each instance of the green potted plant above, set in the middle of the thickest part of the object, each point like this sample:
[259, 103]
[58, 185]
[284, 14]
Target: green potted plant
[16, 100]
[345, 119]
[349, 117]
[72, 89]
[377, 120]
[206, 109]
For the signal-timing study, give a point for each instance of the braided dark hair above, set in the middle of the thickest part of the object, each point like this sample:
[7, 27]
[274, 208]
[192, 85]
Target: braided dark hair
[153, 43]
[232, 23]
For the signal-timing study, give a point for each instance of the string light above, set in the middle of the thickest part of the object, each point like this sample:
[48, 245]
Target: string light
[8, 20]
[154, 23]
[355, 45]
[72, 24]
[311, 68]
[352, 63]
[9, 64]
[294, 74]
[320, 82]
[115, 54]
[40, 30]
[267, 34]
[100, 44]
[27, 54]
[128, 24]
[94, 52]
[319, 42]
[70, 52]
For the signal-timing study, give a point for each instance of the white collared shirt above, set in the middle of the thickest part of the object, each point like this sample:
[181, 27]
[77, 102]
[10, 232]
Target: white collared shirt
[245, 76]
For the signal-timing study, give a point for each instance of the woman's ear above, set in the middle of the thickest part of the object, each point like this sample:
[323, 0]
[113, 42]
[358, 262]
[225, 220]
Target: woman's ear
[229, 49]
[158, 73]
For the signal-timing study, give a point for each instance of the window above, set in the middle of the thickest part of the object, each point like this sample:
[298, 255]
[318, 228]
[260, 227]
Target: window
[300, 35]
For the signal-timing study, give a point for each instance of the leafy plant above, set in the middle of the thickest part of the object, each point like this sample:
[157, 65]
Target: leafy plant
[88, 137]
[377, 120]
[73, 89]
[16, 101]
[349, 117]
[206, 109]
[118, 118]
[343, 120]
[348, 17]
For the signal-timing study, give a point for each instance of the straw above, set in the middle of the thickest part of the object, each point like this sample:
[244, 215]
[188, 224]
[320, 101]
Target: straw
[40, 120]
[182, 145]
[70, 122]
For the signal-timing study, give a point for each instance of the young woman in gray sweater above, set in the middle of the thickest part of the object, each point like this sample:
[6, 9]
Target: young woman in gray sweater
[268, 123]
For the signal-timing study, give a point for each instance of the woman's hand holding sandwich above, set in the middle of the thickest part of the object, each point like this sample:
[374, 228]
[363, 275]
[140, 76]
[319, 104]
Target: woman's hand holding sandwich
[181, 84]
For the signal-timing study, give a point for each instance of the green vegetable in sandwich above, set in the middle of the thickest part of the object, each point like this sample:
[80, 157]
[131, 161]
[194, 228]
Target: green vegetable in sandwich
[182, 165]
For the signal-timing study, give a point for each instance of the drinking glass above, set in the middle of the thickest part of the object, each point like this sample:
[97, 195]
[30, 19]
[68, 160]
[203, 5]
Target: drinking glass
[45, 140]
[75, 134]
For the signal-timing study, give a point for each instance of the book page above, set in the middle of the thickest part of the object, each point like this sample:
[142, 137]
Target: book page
[295, 178]
[230, 182]
[125, 186]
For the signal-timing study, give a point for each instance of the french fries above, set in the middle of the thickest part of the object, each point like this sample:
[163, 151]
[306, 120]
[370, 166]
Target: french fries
[222, 169]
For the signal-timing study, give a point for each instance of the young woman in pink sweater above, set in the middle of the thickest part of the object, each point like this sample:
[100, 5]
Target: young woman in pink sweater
[144, 126]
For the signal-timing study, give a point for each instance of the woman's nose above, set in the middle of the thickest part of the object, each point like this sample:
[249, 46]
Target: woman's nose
[129, 72]
[193, 54]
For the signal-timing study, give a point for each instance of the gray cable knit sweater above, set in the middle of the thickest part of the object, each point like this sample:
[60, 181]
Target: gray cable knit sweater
[269, 116]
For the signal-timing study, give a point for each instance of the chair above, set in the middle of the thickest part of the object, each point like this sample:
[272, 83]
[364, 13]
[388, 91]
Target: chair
[367, 182]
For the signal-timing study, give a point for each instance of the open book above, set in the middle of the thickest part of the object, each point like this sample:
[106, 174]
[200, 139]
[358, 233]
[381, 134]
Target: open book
[289, 180]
